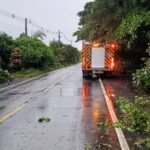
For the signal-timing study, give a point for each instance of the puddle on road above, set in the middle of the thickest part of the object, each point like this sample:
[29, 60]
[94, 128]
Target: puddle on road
[70, 91]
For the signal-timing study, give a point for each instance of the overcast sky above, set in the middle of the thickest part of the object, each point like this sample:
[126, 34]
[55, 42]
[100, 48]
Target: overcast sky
[53, 15]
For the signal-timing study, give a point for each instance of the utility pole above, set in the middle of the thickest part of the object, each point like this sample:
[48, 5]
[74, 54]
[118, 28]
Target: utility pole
[59, 36]
[26, 26]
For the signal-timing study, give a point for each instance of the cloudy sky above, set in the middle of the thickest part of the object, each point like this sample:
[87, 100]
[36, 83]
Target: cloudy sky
[53, 15]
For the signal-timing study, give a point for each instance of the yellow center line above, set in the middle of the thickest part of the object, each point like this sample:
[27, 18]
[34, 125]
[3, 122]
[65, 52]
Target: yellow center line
[9, 114]
[49, 88]
[63, 78]
[54, 84]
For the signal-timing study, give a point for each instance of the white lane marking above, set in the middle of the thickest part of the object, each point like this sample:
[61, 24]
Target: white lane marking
[121, 137]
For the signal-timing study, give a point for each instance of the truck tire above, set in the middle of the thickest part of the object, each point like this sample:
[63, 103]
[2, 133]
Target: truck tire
[86, 74]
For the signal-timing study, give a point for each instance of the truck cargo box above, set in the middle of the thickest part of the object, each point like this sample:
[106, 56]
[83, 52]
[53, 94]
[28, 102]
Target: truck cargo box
[97, 58]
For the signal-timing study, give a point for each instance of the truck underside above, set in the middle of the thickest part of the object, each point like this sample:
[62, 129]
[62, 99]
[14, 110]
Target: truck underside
[97, 72]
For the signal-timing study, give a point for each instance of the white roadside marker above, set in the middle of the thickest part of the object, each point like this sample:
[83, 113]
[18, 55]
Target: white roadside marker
[121, 137]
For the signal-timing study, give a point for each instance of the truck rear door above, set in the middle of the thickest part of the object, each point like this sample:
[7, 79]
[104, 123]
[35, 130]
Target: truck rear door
[98, 57]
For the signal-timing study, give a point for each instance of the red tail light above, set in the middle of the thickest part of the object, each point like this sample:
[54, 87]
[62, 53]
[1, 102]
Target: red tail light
[113, 46]
[112, 63]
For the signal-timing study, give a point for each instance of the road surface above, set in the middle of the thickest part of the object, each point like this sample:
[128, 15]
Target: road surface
[74, 106]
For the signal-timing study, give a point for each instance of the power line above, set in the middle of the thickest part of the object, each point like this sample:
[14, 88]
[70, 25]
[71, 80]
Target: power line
[14, 16]
[40, 27]
[11, 15]
[66, 38]
[10, 25]
[31, 22]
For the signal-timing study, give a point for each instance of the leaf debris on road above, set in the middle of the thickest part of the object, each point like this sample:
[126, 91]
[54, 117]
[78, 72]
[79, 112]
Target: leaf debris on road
[44, 120]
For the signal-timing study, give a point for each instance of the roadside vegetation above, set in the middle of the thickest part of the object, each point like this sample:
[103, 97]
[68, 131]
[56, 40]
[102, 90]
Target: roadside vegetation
[26, 57]
[126, 23]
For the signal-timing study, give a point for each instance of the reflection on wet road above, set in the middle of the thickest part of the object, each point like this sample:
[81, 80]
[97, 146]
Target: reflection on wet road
[95, 110]
[74, 106]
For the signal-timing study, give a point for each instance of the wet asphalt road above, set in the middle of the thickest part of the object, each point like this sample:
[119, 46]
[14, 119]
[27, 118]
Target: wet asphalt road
[74, 106]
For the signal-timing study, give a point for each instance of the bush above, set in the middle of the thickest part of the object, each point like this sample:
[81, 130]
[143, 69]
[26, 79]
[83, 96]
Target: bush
[135, 116]
[6, 46]
[35, 54]
[148, 51]
[70, 54]
[142, 76]
[66, 54]
[133, 34]
[4, 76]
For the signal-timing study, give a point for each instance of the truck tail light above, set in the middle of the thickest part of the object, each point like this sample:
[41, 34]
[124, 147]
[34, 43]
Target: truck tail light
[112, 63]
[113, 46]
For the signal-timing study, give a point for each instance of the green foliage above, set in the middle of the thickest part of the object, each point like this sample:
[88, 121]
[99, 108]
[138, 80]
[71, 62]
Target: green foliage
[69, 54]
[6, 46]
[103, 124]
[135, 116]
[100, 17]
[66, 54]
[27, 73]
[22, 35]
[133, 34]
[126, 21]
[137, 22]
[39, 35]
[148, 61]
[35, 54]
[88, 146]
[148, 142]
[25, 53]
[141, 78]
[55, 48]
[4, 76]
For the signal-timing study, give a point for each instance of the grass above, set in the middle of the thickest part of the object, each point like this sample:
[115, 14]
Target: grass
[29, 73]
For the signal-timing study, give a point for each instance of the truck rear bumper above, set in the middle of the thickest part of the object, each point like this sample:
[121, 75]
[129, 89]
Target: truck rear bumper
[98, 70]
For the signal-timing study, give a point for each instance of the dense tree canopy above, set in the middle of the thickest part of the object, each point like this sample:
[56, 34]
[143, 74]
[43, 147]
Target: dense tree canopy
[124, 21]
[100, 18]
